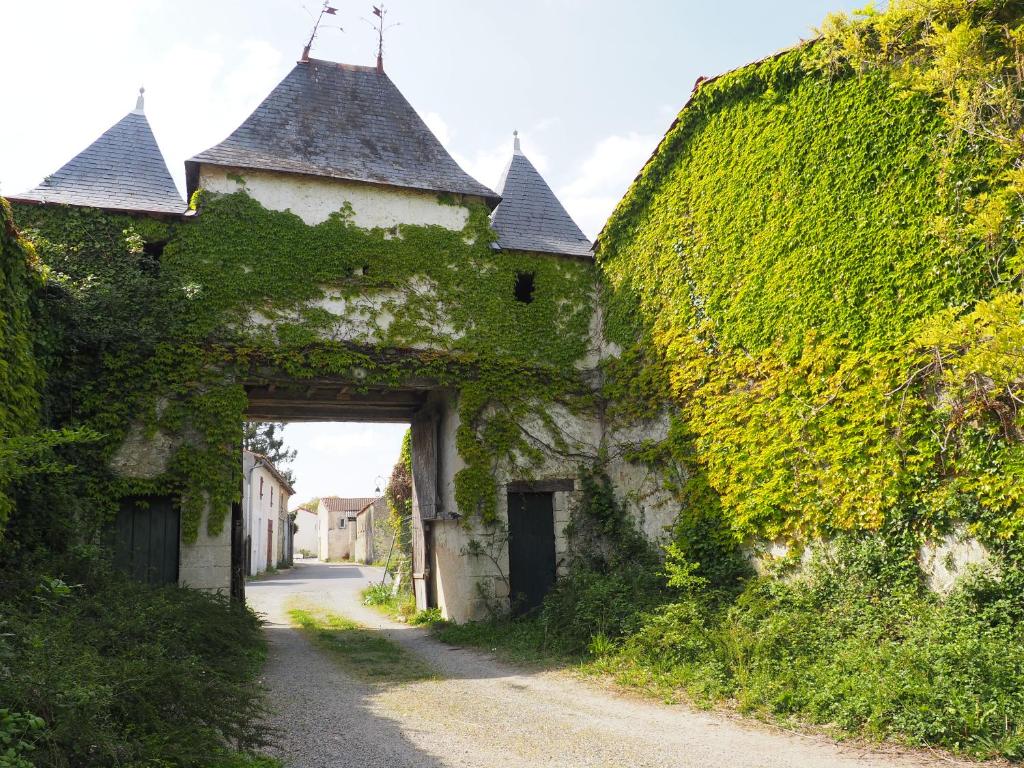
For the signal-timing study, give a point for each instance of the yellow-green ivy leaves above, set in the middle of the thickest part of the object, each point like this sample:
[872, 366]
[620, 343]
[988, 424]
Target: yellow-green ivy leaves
[821, 264]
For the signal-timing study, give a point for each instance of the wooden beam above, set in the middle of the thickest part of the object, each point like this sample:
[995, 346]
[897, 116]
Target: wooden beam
[541, 486]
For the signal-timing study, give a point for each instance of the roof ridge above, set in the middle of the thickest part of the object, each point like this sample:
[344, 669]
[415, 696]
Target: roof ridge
[342, 65]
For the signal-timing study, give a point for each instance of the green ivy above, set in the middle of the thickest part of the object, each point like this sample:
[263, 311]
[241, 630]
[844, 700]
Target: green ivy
[20, 374]
[241, 292]
[819, 270]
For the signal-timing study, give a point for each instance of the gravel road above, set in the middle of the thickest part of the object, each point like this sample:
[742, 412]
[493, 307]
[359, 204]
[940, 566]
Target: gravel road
[482, 713]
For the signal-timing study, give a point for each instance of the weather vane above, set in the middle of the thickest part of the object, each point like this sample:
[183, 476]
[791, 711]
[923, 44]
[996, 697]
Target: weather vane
[327, 10]
[380, 28]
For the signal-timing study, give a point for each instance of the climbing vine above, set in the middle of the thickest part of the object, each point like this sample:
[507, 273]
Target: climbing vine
[174, 317]
[821, 266]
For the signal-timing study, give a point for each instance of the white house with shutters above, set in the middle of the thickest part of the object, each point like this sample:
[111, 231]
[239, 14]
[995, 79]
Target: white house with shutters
[266, 520]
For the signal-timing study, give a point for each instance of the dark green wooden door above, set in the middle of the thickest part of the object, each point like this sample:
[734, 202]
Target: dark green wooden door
[146, 539]
[531, 548]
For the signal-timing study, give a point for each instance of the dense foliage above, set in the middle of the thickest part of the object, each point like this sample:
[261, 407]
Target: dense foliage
[821, 265]
[122, 673]
[240, 292]
[95, 669]
[855, 644]
[817, 278]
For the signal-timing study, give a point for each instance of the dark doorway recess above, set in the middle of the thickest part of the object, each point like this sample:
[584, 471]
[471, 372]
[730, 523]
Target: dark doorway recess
[239, 552]
[531, 549]
[524, 287]
[146, 538]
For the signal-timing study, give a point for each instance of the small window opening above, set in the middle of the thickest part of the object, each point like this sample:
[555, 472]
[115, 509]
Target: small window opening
[155, 249]
[524, 287]
[149, 262]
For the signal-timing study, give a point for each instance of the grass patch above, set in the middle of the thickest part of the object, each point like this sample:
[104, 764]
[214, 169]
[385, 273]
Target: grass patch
[401, 606]
[518, 640]
[364, 653]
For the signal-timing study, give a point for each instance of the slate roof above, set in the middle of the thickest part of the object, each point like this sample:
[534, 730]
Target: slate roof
[530, 217]
[345, 122]
[123, 170]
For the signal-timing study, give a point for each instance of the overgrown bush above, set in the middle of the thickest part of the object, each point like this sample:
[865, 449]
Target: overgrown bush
[122, 673]
[614, 573]
[856, 643]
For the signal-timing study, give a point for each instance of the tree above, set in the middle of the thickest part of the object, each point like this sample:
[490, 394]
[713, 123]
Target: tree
[267, 438]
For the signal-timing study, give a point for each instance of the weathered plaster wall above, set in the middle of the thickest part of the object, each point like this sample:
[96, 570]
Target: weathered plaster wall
[944, 561]
[308, 536]
[468, 587]
[314, 199]
[641, 487]
[206, 563]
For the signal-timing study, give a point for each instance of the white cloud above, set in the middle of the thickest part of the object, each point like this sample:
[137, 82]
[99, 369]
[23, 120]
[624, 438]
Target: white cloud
[604, 178]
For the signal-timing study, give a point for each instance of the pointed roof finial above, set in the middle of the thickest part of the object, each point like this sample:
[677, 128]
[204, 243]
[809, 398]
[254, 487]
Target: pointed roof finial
[380, 28]
[140, 103]
[515, 143]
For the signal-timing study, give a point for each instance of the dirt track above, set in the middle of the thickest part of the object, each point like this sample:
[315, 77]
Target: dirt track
[483, 713]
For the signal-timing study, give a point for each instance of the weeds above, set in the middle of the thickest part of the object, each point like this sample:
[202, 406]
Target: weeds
[98, 670]
[364, 653]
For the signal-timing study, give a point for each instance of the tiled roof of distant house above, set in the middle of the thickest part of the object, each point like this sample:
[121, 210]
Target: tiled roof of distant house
[350, 505]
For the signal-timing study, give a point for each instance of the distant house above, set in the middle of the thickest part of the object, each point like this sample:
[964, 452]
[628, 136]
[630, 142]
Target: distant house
[306, 539]
[372, 535]
[338, 526]
[266, 522]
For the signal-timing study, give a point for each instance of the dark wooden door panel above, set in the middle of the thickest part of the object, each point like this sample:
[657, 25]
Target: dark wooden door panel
[531, 548]
[146, 539]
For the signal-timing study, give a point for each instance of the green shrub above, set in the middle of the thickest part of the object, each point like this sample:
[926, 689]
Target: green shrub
[401, 606]
[377, 594]
[426, 617]
[856, 642]
[19, 733]
[587, 603]
[122, 673]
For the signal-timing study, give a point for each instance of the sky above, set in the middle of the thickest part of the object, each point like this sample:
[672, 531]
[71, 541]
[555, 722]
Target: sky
[591, 86]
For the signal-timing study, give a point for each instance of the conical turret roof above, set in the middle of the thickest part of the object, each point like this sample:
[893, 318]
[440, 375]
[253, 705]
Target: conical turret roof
[530, 217]
[123, 170]
[341, 121]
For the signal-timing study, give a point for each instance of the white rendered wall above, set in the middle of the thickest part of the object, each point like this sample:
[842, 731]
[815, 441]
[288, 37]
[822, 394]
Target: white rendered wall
[256, 511]
[314, 199]
[308, 536]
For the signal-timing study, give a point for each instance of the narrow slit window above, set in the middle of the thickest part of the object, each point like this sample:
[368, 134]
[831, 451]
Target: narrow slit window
[524, 287]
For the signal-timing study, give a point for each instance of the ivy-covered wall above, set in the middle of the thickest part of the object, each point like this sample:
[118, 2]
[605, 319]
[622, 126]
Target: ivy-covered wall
[163, 322]
[819, 270]
[20, 373]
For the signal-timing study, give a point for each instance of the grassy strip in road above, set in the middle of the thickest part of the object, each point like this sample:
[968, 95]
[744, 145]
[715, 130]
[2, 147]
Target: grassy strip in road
[365, 653]
[401, 607]
[517, 640]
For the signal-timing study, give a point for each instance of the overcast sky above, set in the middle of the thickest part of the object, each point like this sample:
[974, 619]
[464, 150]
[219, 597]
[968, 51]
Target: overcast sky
[591, 85]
